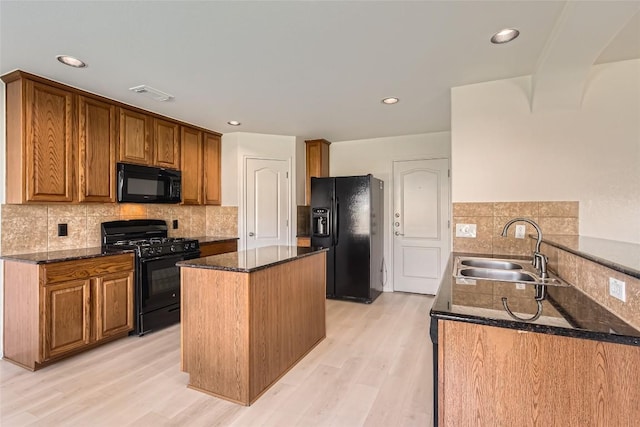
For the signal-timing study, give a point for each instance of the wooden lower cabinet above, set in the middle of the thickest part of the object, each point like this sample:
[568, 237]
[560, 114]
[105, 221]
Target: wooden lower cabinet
[490, 376]
[305, 242]
[215, 248]
[67, 317]
[57, 309]
[113, 300]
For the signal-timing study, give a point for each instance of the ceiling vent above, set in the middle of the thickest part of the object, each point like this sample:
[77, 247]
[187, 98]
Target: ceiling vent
[152, 93]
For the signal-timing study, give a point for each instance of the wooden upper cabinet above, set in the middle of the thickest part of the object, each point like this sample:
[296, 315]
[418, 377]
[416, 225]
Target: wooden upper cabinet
[192, 166]
[212, 184]
[317, 151]
[166, 147]
[39, 120]
[135, 142]
[96, 150]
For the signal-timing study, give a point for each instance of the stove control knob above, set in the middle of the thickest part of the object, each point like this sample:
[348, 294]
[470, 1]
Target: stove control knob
[173, 248]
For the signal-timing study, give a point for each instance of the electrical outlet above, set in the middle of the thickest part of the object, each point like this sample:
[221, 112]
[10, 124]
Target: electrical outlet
[520, 230]
[466, 230]
[617, 289]
[175, 224]
[521, 286]
[62, 230]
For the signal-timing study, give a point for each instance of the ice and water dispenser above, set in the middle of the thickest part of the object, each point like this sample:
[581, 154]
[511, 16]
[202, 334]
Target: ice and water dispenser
[320, 222]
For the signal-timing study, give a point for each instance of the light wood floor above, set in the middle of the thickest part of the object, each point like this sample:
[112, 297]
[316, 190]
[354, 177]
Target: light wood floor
[373, 369]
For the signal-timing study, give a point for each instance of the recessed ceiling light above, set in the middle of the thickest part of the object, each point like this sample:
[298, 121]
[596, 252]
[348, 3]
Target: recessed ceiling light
[152, 93]
[504, 36]
[390, 101]
[71, 61]
[234, 123]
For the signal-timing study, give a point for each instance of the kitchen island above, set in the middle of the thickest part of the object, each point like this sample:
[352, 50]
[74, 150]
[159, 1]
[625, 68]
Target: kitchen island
[248, 317]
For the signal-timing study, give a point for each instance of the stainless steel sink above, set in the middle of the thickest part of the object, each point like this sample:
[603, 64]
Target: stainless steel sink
[503, 270]
[491, 263]
[494, 274]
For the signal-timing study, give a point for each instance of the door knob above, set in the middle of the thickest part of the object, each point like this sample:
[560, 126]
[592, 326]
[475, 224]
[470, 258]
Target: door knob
[397, 233]
[251, 234]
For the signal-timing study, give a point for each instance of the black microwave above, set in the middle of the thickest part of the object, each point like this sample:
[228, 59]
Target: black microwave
[143, 184]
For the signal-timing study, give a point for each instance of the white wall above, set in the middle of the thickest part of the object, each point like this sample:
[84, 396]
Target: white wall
[376, 156]
[503, 152]
[236, 148]
[301, 170]
[2, 200]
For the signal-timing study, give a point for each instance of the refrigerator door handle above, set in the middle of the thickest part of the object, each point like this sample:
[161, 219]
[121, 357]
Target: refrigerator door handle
[336, 228]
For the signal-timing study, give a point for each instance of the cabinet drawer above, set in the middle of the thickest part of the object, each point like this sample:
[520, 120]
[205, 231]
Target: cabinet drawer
[85, 268]
[209, 249]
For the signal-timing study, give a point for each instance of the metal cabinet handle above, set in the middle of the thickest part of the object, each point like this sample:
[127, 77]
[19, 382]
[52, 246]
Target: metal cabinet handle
[397, 233]
[251, 234]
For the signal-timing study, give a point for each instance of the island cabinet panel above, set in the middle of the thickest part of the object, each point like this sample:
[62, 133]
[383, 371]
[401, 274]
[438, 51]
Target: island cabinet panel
[215, 248]
[498, 376]
[97, 135]
[134, 138]
[166, 147]
[212, 183]
[215, 332]
[288, 318]
[192, 166]
[57, 309]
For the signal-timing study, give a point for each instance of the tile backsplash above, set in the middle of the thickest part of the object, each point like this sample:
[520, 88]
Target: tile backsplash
[34, 228]
[490, 218]
[592, 278]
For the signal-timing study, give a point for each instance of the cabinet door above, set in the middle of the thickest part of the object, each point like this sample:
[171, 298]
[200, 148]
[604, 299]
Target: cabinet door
[215, 248]
[113, 304]
[212, 153]
[134, 144]
[317, 151]
[66, 317]
[191, 143]
[96, 150]
[49, 138]
[166, 150]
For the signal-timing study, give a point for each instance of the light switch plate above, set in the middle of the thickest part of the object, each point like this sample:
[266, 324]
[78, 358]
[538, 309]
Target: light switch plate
[466, 230]
[617, 289]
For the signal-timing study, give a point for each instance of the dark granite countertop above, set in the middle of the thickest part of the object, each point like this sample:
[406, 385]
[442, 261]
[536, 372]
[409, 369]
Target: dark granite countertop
[214, 239]
[620, 256]
[64, 255]
[251, 260]
[565, 311]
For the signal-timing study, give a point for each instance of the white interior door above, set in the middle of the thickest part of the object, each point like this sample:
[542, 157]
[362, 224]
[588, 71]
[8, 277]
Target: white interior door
[420, 224]
[267, 203]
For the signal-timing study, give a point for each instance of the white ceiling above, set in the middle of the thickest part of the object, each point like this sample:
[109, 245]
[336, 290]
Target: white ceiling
[300, 68]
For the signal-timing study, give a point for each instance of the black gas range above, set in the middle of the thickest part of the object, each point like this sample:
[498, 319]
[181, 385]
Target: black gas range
[157, 277]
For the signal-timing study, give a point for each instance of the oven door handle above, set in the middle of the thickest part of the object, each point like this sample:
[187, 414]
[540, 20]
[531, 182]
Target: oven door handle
[177, 257]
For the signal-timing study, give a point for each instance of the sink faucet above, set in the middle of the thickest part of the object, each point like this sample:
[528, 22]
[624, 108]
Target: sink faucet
[539, 260]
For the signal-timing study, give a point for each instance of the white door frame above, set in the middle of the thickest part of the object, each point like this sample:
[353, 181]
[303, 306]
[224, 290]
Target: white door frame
[242, 201]
[389, 226]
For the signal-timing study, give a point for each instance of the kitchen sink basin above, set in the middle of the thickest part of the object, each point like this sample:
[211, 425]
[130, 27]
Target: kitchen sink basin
[494, 274]
[503, 270]
[491, 263]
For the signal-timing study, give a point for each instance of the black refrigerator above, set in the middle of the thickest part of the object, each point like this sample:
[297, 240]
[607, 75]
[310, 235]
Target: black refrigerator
[347, 218]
